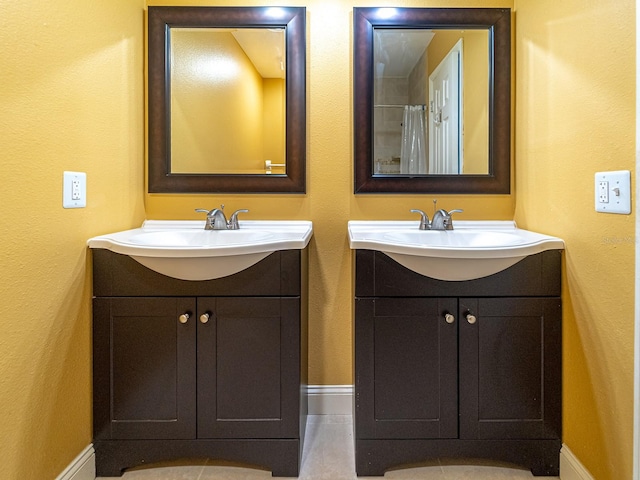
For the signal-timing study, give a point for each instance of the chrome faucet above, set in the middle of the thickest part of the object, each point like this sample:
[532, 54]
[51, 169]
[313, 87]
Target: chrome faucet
[216, 219]
[441, 219]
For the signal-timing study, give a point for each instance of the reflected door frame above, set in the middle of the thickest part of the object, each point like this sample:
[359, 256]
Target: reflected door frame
[445, 114]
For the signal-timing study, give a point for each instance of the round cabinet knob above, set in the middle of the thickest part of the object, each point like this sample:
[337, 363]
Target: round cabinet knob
[471, 318]
[184, 318]
[449, 318]
[204, 318]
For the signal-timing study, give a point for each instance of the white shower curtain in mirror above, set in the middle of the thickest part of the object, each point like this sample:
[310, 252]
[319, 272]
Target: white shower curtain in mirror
[413, 152]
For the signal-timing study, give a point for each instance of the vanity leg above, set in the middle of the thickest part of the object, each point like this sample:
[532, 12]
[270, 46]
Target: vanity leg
[548, 464]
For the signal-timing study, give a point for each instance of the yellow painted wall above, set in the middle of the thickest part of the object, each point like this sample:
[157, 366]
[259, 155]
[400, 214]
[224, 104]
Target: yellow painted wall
[476, 111]
[273, 122]
[329, 201]
[475, 85]
[71, 98]
[216, 106]
[576, 116]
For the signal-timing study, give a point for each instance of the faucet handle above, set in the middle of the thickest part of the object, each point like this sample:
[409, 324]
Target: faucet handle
[233, 221]
[209, 212]
[424, 219]
[448, 221]
[210, 221]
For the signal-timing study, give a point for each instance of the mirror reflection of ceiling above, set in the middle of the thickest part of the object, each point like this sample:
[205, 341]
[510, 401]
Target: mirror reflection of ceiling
[228, 100]
[406, 64]
[265, 48]
[399, 50]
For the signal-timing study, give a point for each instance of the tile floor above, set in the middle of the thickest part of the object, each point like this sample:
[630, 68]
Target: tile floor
[328, 455]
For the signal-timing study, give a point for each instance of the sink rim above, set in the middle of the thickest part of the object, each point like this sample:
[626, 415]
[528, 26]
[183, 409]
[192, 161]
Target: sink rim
[285, 235]
[450, 262]
[206, 262]
[368, 235]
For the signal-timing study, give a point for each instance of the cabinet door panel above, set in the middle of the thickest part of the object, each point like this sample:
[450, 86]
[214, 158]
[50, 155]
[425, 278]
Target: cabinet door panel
[248, 383]
[510, 364]
[406, 368]
[145, 361]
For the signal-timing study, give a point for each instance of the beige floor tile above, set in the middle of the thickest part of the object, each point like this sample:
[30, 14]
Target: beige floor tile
[161, 473]
[328, 449]
[217, 472]
[481, 469]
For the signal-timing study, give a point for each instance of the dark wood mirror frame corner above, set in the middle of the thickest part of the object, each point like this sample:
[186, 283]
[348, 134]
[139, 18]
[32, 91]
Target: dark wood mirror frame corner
[498, 23]
[160, 177]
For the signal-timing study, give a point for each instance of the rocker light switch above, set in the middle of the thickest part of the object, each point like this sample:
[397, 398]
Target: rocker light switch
[613, 192]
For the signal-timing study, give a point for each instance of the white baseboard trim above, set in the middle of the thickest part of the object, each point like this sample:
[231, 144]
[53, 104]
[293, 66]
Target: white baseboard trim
[83, 467]
[330, 399]
[570, 466]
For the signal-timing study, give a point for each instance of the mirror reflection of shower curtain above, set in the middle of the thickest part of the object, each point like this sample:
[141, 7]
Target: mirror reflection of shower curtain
[413, 151]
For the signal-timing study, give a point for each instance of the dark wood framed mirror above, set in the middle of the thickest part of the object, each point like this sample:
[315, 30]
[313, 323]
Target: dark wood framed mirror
[166, 171]
[378, 167]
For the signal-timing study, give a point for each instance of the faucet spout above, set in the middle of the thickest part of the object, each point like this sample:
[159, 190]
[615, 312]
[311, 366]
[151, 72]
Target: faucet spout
[442, 220]
[439, 221]
[216, 219]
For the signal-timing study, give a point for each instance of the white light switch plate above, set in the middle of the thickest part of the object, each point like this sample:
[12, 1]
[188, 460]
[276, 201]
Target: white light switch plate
[74, 190]
[613, 192]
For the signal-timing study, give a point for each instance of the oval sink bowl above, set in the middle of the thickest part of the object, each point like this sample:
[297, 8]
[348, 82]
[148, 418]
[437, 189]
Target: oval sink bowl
[185, 250]
[454, 238]
[198, 238]
[473, 249]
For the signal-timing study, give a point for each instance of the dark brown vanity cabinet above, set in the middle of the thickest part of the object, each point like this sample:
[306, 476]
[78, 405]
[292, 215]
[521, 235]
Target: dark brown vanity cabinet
[457, 369]
[208, 369]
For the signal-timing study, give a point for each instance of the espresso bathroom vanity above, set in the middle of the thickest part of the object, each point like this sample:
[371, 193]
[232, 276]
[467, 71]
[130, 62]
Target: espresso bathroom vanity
[453, 369]
[200, 369]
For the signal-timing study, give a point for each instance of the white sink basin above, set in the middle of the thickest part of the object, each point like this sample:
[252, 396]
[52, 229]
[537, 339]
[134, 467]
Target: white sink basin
[185, 250]
[198, 238]
[454, 238]
[473, 249]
